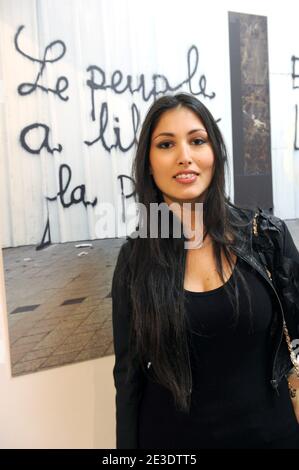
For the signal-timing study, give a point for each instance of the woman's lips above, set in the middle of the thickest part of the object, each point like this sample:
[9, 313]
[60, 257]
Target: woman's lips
[186, 179]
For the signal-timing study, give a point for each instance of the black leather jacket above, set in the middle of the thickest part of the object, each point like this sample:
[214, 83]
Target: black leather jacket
[265, 243]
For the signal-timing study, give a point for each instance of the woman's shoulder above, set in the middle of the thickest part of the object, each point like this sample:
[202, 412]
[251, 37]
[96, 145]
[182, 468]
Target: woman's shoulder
[269, 218]
[262, 216]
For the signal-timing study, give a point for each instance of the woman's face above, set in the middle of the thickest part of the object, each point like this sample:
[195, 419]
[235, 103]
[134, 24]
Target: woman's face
[181, 157]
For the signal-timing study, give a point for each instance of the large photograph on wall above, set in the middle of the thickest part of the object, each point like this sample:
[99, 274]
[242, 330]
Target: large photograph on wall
[78, 79]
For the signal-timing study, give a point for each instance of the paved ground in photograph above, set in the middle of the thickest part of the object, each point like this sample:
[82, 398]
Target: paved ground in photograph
[59, 302]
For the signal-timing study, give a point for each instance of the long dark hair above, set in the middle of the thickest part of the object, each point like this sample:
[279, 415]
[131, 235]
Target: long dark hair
[156, 266]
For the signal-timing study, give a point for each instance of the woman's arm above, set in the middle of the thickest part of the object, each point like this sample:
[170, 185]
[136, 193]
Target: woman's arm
[128, 381]
[289, 247]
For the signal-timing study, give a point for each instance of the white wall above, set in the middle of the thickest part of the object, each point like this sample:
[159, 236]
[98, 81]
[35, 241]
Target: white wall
[73, 406]
[66, 407]
[283, 44]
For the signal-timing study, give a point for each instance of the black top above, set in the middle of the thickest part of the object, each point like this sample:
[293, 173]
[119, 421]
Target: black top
[233, 404]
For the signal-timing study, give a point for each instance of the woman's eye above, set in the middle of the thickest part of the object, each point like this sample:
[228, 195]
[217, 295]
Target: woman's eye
[164, 145]
[198, 141]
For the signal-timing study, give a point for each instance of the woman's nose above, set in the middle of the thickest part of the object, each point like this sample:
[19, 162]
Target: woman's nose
[184, 155]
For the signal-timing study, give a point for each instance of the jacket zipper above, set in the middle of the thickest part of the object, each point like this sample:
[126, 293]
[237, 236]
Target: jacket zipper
[267, 277]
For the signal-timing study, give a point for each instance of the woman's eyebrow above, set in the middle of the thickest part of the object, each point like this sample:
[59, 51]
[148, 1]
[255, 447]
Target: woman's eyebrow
[196, 130]
[168, 134]
[171, 134]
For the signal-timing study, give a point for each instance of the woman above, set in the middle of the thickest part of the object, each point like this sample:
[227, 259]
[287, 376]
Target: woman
[200, 358]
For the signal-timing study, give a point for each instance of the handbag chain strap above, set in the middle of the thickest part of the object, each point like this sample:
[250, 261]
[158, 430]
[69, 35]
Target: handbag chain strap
[289, 344]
